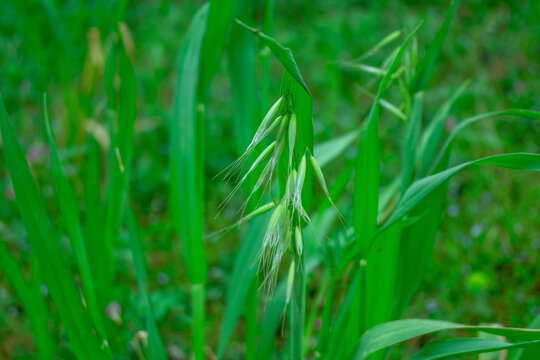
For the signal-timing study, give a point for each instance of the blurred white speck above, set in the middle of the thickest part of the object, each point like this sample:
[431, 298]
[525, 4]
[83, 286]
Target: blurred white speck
[476, 230]
[215, 272]
[486, 198]
[44, 290]
[466, 241]
[431, 306]
[175, 353]
[214, 294]
[12, 311]
[452, 210]
[162, 278]
[521, 256]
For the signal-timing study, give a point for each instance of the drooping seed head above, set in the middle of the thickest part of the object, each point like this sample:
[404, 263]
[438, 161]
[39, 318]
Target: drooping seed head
[297, 196]
[319, 175]
[275, 243]
[270, 116]
[292, 137]
[290, 282]
[291, 186]
[272, 126]
[259, 211]
[298, 240]
[260, 159]
[320, 178]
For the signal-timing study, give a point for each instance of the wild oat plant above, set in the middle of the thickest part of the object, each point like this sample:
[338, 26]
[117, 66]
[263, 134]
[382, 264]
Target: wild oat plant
[350, 277]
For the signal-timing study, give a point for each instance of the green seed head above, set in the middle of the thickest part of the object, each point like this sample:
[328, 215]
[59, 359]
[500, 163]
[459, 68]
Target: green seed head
[292, 137]
[298, 240]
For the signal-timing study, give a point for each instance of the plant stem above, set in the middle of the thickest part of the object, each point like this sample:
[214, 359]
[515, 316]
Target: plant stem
[197, 302]
[297, 309]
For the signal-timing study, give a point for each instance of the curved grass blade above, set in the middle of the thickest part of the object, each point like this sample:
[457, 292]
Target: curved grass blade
[413, 133]
[424, 69]
[54, 269]
[524, 354]
[431, 139]
[284, 55]
[471, 120]
[423, 187]
[242, 65]
[444, 349]
[215, 37]
[156, 349]
[366, 185]
[366, 194]
[187, 171]
[329, 150]
[69, 210]
[394, 332]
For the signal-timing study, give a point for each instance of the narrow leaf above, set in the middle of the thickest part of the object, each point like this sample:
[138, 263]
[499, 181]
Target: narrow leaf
[444, 349]
[425, 68]
[54, 269]
[391, 333]
[423, 187]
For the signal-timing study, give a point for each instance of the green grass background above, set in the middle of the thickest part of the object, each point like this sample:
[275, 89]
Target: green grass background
[485, 266]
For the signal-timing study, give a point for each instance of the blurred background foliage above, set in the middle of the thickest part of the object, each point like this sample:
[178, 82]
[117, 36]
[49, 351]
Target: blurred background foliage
[485, 266]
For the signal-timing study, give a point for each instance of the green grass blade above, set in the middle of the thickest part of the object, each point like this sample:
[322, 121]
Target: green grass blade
[431, 138]
[156, 349]
[185, 157]
[423, 187]
[55, 271]
[268, 29]
[413, 133]
[187, 171]
[215, 37]
[244, 270]
[425, 68]
[242, 65]
[273, 316]
[381, 275]
[69, 210]
[528, 114]
[366, 194]
[284, 55]
[417, 242]
[444, 349]
[337, 344]
[33, 303]
[242, 60]
[391, 333]
[329, 150]
[524, 354]
[122, 101]
[366, 184]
